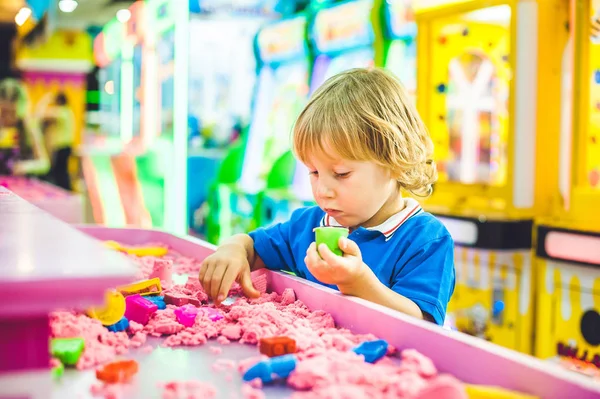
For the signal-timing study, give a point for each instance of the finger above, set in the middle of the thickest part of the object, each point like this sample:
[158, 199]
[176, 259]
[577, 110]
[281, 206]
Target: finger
[203, 268]
[207, 276]
[216, 279]
[226, 282]
[312, 256]
[329, 257]
[349, 247]
[247, 286]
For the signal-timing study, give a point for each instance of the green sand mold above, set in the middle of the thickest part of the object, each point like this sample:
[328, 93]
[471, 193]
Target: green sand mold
[330, 236]
[58, 371]
[67, 350]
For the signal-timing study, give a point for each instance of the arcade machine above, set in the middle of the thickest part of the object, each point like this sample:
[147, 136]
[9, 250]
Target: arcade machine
[200, 108]
[98, 147]
[568, 244]
[281, 93]
[483, 94]
[400, 46]
[342, 37]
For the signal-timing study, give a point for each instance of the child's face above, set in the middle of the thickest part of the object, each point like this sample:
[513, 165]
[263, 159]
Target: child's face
[354, 193]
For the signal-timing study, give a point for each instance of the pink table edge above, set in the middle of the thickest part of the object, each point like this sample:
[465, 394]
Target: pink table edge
[67, 207]
[468, 358]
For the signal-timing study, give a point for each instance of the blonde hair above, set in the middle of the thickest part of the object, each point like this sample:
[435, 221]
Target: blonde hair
[368, 116]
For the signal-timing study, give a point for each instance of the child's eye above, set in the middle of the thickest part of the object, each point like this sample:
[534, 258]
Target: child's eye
[313, 172]
[342, 175]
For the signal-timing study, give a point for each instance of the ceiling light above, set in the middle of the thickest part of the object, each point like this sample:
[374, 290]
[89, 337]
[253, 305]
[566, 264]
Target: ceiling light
[22, 16]
[109, 87]
[123, 15]
[67, 5]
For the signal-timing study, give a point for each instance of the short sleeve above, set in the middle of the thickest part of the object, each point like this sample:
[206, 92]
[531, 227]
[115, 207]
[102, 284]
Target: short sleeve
[272, 244]
[428, 277]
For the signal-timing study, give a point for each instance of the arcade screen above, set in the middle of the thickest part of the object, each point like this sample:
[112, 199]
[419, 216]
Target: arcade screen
[137, 90]
[468, 118]
[166, 89]
[592, 141]
[281, 95]
[220, 91]
[110, 86]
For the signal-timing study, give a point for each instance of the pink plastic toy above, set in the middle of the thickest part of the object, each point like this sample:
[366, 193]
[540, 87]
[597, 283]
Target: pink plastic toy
[163, 269]
[186, 315]
[139, 309]
[213, 314]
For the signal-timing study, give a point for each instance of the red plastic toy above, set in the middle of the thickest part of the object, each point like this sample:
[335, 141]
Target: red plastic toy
[180, 300]
[117, 372]
[277, 346]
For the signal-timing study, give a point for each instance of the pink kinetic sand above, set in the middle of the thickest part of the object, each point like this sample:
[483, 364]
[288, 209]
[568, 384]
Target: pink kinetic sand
[250, 392]
[326, 366]
[188, 390]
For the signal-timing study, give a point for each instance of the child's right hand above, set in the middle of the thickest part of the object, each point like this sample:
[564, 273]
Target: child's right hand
[218, 271]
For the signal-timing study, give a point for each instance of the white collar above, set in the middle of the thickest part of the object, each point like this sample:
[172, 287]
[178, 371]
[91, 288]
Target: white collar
[389, 227]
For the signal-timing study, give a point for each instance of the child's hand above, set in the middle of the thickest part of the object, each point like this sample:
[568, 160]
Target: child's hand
[218, 271]
[333, 269]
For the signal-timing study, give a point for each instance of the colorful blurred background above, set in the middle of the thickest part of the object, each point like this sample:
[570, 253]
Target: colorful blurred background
[176, 115]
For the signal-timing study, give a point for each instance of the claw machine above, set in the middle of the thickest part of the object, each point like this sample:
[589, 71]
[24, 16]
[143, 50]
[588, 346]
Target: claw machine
[220, 91]
[120, 167]
[342, 37]
[486, 88]
[203, 108]
[281, 93]
[568, 243]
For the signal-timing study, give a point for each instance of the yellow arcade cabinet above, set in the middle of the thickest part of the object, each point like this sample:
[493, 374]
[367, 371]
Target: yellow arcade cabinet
[486, 86]
[568, 243]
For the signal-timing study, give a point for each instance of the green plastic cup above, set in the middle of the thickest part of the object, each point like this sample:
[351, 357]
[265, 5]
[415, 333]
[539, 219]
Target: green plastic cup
[330, 236]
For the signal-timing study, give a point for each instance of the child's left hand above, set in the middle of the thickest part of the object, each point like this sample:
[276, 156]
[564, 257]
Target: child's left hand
[333, 269]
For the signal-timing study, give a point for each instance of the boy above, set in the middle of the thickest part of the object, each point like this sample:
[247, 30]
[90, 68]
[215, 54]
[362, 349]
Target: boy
[362, 141]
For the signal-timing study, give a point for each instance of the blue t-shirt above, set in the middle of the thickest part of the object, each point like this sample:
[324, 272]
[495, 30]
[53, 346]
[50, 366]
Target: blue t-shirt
[412, 252]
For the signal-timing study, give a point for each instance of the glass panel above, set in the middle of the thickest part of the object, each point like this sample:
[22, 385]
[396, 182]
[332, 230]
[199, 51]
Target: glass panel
[402, 61]
[592, 141]
[137, 90]
[166, 90]
[110, 91]
[282, 93]
[220, 91]
[469, 118]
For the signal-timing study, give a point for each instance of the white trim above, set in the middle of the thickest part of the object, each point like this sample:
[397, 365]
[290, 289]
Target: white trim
[463, 232]
[525, 100]
[55, 65]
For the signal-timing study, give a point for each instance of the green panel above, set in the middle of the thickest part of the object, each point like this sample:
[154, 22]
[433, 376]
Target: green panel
[152, 181]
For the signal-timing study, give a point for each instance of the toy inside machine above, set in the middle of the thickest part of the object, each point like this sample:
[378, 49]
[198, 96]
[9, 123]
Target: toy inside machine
[568, 245]
[476, 93]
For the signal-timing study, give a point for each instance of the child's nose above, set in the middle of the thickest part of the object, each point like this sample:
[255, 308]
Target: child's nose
[324, 190]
